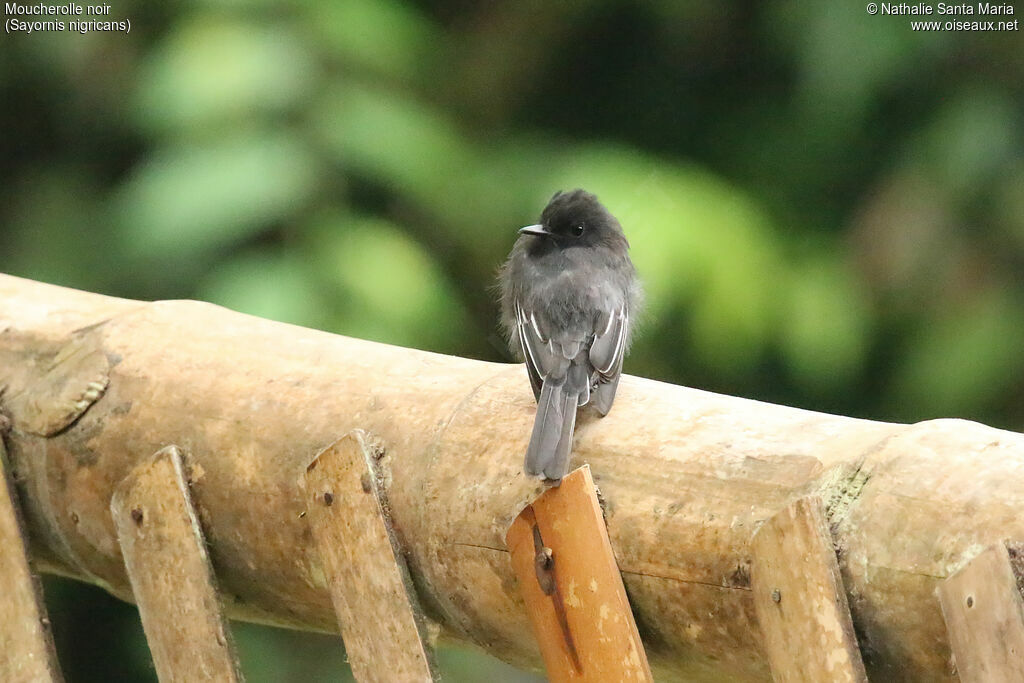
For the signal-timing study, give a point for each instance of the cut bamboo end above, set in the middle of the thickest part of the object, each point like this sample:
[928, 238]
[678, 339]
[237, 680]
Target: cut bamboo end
[800, 599]
[571, 584]
[170, 572]
[378, 613]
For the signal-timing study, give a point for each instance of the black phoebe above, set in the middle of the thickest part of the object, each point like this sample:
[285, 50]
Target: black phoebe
[568, 296]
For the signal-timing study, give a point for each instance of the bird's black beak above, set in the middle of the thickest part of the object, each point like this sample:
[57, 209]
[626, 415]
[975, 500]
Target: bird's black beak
[534, 230]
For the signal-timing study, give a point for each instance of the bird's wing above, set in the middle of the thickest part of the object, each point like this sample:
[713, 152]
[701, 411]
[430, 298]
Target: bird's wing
[609, 345]
[606, 353]
[537, 349]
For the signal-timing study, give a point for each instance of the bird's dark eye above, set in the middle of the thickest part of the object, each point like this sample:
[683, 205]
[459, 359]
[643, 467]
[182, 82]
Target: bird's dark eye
[578, 229]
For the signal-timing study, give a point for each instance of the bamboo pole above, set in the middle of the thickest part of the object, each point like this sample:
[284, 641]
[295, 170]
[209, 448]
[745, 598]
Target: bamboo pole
[687, 477]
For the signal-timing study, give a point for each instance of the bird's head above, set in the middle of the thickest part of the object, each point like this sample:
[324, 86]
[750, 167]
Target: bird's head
[576, 218]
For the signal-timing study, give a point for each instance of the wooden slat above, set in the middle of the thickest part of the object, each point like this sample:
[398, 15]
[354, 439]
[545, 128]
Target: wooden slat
[984, 616]
[26, 644]
[800, 600]
[379, 616]
[571, 584]
[170, 572]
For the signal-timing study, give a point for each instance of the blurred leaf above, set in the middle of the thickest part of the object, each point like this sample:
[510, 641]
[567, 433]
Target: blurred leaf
[961, 363]
[191, 199]
[969, 139]
[213, 69]
[419, 154]
[54, 230]
[1009, 208]
[844, 54]
[353, 30]
[389, 288]
[906, 240]
[394, 139]
[825, 332]
[269, 284]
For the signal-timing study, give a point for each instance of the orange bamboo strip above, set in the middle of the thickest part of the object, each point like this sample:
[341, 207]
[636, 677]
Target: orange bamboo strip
[571, 584]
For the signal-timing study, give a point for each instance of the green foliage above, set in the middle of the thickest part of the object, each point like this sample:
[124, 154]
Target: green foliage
[388, 287]
[826, 208]
[213, 70]
[956, 366]
[384, 37]
[191, 199]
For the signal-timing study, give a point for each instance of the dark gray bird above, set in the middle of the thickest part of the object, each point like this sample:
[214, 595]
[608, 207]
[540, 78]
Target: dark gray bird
[569, 294]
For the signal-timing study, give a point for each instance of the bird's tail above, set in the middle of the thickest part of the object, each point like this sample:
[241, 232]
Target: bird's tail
[551, 441]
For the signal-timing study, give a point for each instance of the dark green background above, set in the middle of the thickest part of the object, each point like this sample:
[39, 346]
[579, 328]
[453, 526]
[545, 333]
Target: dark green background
[827, 208]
